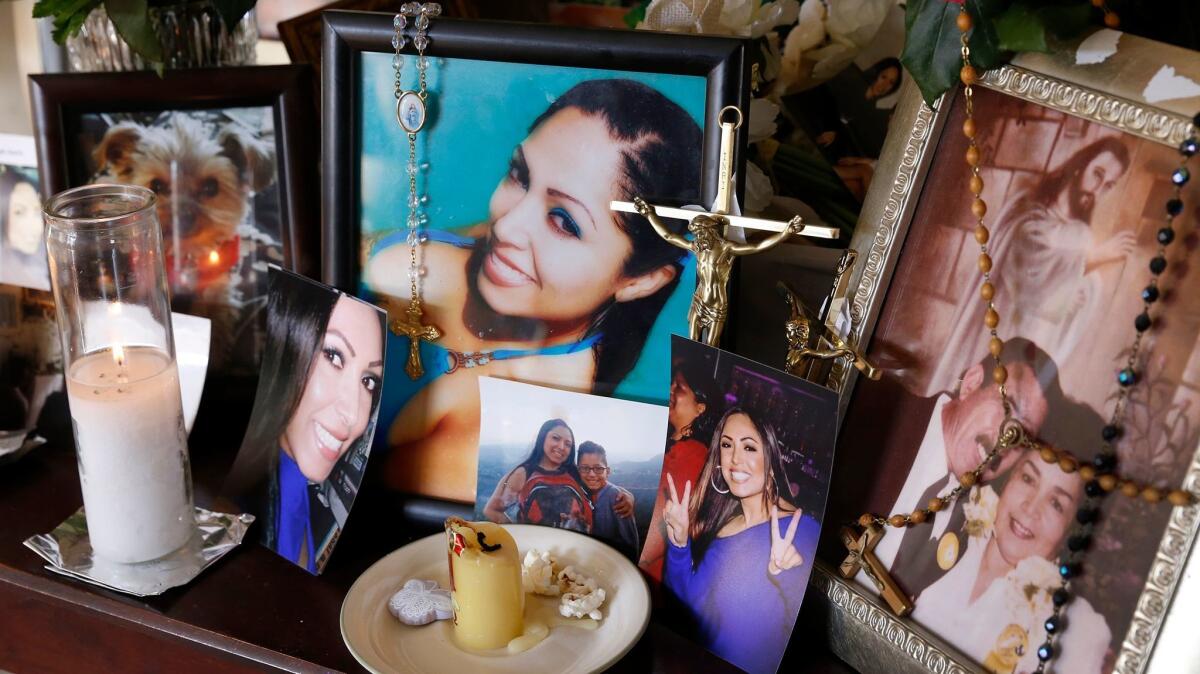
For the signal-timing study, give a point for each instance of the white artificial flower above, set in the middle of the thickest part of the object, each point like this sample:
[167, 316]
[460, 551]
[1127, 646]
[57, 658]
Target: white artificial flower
[826, 40]
[762, 119]
[759, 190]
[980, 511]
[745, 18]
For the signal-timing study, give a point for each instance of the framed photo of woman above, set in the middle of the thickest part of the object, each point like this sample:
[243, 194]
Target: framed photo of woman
[306, 449]
[525, 271]
[1077, 167]
[225, 152]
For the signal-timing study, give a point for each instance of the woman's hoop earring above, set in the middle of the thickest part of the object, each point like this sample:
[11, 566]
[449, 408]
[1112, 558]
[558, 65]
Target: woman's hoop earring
[713, 481]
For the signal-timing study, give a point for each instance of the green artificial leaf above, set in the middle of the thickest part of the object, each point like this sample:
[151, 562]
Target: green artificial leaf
[232, 11]
[1021, 29]
[932, 48]
[65, 15]
[636, 14]
[1029, 25]
[132, 21]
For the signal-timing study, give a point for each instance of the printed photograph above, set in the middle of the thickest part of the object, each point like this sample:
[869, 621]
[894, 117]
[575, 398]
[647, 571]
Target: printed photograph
[22, 240]
[525, 272]
[30, 359]
[740, 503]
[569, 460]
[1077, 210]
[215, 176]
[306, 448]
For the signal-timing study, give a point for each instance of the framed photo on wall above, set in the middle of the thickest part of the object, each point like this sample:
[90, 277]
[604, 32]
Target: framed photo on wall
[532, 130]
[229, 155]
[1077, 166]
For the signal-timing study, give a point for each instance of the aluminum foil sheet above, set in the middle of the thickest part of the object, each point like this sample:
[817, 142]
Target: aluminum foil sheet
[69, 552]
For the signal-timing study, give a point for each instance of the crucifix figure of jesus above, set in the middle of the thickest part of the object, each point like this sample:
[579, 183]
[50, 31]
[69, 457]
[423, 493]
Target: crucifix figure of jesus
[410, 326]
[714, 262]
[862, 557]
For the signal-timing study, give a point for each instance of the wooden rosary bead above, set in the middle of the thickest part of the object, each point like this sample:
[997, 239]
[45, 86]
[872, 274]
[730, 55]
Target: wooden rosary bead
[995, 347]
[985, 263]
[897, 521]
[976, 185]
[1130, 489]
[1088, 472]
[979, 208]
[918, 516]
[1000, 375]
[987, 291]
[964, 21]
[973, 155]
[1152, 495]
[982, 235]
[1107, 482]
[936, 505]
[969, 127]
[1112, 20]
[1067, 464]
[865, 520]
[991, 318]
[1177, 497]
[968, 75]
[968, 479]
[1049, 455]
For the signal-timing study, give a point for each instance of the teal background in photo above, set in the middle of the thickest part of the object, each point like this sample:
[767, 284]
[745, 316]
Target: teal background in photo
[480, 111]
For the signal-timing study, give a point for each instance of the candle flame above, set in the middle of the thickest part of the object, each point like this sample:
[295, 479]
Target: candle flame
[213, 256]
[114, 309]
[118, 353]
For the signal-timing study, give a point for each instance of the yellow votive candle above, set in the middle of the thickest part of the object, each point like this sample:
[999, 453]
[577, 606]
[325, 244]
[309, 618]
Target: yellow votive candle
[485, 584]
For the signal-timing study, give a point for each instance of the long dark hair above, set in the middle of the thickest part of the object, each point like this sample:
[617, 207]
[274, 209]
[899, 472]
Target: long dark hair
[1059, 179]
[661, 150]
[698, 378]
[9, 179]
[298, 317]
[531, 463]
[713, 510]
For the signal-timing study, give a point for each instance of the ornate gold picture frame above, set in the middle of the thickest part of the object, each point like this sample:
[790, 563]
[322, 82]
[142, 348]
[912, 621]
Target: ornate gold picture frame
[1106, 82]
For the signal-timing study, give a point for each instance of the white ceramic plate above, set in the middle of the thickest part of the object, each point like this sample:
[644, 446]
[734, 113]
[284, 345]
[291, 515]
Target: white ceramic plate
[383, 644]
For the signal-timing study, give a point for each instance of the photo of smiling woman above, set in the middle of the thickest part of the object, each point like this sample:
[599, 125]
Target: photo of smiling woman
[310, 435]
[22, 242]
[552, 287]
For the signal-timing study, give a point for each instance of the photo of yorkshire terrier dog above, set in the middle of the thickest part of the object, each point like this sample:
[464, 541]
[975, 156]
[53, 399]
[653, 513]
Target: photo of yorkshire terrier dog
[206, 171]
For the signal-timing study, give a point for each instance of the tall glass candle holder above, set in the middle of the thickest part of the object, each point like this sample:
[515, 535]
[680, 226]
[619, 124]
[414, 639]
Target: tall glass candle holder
[114, 315]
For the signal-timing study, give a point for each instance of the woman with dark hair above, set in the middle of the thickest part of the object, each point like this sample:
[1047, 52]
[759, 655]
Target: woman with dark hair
[734, 560]
[22, 244]
[690, 410]
[546, 487]
[317, 398]
[554, 289]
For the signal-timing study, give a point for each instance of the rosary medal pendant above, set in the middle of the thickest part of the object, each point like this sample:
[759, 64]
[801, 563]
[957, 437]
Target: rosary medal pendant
[410, 111]
[947, 551]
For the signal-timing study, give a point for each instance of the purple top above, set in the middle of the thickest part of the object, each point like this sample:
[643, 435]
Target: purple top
[741, 612]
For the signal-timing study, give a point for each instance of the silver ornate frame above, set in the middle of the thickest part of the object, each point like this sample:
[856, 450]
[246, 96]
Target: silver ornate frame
[859, 628]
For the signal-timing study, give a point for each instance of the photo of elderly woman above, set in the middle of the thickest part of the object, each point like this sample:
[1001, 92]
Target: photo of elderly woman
[528, 274]
[741, 537]
[580, 472]
[310, 435]
[22, 242]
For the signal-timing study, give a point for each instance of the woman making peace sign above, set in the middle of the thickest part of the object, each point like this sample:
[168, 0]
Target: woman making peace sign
[733, 559]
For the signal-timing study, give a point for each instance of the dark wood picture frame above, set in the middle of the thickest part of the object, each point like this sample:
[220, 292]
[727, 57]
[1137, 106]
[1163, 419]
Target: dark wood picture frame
[721, 60]
[57, 98]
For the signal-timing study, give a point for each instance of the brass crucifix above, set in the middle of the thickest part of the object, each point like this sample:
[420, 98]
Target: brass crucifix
[862, 557]
[410, 326]
[714, 253]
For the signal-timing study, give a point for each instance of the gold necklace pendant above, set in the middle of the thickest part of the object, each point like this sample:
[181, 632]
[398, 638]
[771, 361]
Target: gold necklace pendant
[411, 326]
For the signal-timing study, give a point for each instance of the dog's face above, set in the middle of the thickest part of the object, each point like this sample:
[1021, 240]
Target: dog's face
[203, 184]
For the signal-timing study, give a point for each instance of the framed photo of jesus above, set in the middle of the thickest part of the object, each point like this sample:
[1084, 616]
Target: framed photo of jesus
[1077, 168]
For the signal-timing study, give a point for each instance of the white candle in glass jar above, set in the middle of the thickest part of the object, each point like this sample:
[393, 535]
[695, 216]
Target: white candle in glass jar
[133, 463]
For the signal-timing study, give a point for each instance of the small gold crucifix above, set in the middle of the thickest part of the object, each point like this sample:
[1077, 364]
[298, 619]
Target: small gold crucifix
[411, 326]
[862, 557]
